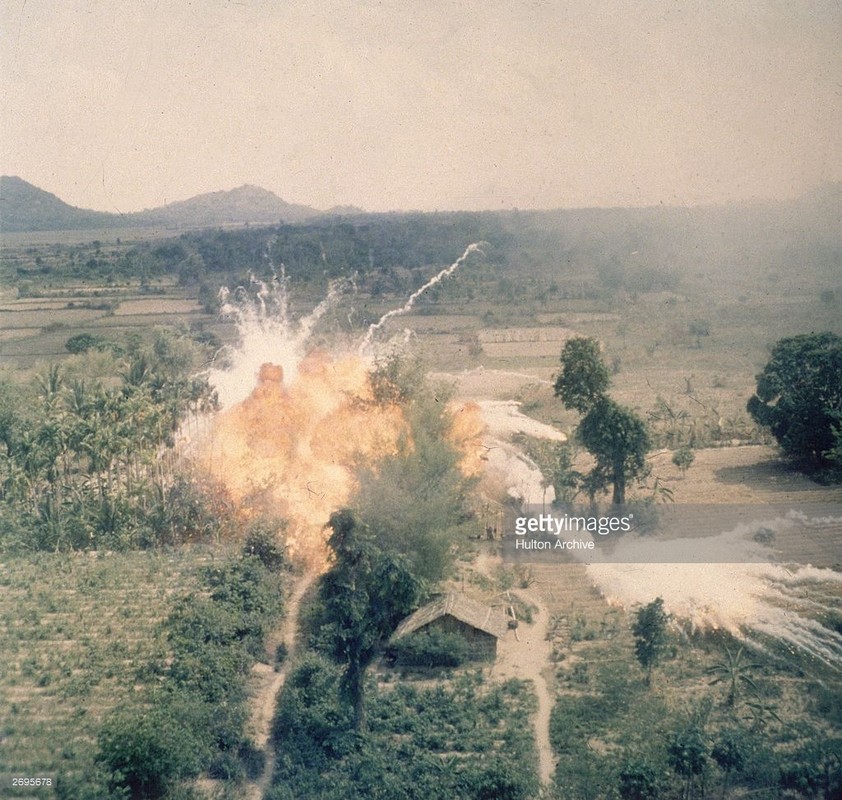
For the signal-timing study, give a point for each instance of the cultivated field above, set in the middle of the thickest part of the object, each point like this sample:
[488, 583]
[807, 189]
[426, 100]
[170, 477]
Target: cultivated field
[79, 632]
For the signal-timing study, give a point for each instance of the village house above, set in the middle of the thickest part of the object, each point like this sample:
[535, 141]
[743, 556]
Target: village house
[480, 625]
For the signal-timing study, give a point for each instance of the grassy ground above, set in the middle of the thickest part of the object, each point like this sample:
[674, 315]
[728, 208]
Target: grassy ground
[77, 631]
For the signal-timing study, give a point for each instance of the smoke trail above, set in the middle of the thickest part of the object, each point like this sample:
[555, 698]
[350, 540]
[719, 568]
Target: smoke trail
[407, 307]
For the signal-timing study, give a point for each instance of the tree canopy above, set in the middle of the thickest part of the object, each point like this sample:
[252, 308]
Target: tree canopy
[618, 439]
[650, 635]
[363, 597]
[612, 433]
[584, 378]
[799, 398]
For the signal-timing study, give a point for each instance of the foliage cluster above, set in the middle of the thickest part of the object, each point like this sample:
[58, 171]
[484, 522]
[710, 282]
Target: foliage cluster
[672, 425]
[192, 715]
[93, 464]
[555, 460]
[415, 500]
[799, 398]
[464, 740]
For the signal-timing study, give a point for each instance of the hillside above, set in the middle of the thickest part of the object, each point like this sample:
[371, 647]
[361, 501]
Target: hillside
[244, 204]
[24, 207]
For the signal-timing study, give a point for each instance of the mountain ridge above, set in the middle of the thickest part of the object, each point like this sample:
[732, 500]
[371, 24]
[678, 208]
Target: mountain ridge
[26, 207]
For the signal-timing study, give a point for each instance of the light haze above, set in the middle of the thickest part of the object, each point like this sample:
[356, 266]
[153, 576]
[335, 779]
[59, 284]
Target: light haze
[121, 105]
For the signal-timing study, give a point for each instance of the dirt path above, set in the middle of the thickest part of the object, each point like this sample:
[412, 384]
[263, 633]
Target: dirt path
[524, 653]
[269, 687]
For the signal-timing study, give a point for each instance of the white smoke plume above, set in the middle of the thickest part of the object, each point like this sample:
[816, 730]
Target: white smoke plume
[407, 306]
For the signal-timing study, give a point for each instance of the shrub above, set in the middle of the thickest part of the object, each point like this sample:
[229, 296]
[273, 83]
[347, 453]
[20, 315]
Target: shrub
[148, 751]
[638, 781]
[431, 648]
[82, 342]
[683, 458]
[263, 542]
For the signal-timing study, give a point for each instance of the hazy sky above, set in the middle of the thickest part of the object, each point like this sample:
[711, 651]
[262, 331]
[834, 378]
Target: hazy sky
[125, 104]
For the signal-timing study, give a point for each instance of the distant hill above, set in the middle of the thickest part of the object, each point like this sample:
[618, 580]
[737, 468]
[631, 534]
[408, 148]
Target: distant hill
[244, 204]
[24, 207]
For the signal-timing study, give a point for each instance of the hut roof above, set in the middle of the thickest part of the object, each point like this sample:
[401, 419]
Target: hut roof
[477, 615]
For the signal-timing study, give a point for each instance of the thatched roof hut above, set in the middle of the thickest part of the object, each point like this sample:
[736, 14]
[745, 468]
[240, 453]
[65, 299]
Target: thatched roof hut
[479, 624]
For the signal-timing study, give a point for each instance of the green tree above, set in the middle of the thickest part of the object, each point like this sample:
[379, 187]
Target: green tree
[734, 672]
[612, 433]
[363, 597]
[618, 439]
[799, 396]
[584, 378]
[650, 635]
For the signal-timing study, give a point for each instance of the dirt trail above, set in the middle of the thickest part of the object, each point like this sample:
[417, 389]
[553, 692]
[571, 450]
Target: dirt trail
[270, 685]
[524, 653]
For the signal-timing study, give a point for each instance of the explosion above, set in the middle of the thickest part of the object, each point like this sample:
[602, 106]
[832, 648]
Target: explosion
[297, 423]
[291, 448]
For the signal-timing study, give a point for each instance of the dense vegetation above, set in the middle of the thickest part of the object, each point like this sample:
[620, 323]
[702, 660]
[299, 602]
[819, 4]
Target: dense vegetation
[130, 669]
[717, 719]
[193, 713]
[460, 739]
[90, 461]
[799, 397]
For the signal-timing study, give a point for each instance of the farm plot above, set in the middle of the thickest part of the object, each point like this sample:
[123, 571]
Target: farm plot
[77, 631]
[157, 306]
[44, 317]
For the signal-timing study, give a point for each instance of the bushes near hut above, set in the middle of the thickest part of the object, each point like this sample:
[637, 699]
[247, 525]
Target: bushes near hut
[431, 648]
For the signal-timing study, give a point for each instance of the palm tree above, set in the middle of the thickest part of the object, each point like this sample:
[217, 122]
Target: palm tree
[734, 672]
[50, 383]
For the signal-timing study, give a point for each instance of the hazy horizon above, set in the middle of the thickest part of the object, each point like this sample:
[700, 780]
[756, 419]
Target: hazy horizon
[445, 106]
